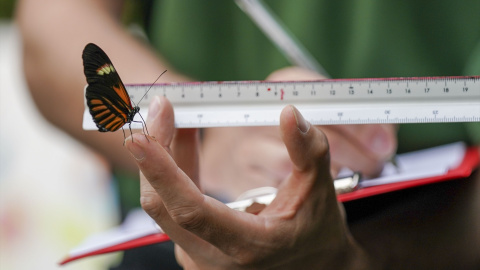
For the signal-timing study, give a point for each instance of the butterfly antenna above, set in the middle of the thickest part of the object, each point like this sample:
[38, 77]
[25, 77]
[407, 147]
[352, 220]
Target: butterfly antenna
[151, 86]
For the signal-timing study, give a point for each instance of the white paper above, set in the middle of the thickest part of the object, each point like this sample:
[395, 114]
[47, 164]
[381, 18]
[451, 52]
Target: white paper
[137, 224]
[420, 164]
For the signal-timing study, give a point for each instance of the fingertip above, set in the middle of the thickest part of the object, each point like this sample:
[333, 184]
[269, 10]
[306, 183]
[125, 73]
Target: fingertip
[306, 145]
[302, 124]
[291, 117]
[383, 141]
[287, 120]
[161, 120]
[165, 103]
[136, 144]
[154, 109]
[294, 73]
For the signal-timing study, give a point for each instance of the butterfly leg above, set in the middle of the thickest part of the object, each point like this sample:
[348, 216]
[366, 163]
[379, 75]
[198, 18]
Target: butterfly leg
[144, 126]
[124, 137]
[130, 128]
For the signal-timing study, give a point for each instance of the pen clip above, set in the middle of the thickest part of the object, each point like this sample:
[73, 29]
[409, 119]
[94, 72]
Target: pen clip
[347, 184]
[265, 195]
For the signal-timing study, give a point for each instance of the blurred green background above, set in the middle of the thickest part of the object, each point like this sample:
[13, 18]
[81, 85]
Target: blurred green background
[6, 9]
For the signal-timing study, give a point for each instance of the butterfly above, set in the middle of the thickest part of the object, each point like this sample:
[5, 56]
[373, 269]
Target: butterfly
[107, 99]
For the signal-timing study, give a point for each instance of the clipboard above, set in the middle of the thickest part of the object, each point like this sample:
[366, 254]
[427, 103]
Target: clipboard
[146, 232]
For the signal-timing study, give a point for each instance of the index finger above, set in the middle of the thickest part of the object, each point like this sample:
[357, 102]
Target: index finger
[186, 206]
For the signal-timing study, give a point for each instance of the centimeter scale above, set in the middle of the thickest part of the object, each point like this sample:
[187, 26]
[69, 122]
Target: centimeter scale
[323, 102]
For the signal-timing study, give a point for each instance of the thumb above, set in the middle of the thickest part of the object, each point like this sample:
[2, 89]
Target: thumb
[308, 149]
[306, 145]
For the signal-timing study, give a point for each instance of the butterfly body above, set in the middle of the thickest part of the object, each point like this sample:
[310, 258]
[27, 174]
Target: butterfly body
[107, 99]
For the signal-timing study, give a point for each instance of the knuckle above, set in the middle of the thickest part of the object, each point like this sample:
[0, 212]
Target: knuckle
[260, 254]
[150, 203]
[189, 217]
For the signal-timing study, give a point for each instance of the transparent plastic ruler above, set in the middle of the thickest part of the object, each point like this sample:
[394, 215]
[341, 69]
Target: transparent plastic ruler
[324, 102]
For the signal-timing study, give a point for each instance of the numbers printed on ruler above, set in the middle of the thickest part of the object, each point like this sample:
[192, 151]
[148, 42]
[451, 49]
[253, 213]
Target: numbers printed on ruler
[349, 101]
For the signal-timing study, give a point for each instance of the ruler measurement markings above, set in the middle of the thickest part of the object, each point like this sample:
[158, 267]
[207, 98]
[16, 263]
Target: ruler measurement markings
[410, 100]
[375, 96]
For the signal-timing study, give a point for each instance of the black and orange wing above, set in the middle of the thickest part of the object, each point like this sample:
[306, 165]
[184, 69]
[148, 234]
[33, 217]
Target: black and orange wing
[107, 99]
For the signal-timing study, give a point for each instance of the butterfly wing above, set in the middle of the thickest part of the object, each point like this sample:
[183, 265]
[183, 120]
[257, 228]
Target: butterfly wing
[107, 98]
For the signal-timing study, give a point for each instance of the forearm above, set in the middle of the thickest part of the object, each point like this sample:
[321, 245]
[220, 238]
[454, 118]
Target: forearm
[54, 34]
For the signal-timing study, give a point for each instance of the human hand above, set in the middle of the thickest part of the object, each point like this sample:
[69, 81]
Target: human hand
[238, 159]
[362, 148]
[302, 228]
[242, 158]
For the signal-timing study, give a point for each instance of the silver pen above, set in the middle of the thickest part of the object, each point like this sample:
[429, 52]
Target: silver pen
[265, 195]
[285, 41]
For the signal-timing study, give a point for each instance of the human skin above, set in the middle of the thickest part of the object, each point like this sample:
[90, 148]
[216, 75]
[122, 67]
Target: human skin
[54, 33]
[303, 227]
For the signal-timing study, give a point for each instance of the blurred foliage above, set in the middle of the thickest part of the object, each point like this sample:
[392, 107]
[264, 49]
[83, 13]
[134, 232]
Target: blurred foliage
[6, 9]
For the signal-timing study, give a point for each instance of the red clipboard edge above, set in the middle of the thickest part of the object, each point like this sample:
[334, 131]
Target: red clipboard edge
[142, 241]
[470, 161]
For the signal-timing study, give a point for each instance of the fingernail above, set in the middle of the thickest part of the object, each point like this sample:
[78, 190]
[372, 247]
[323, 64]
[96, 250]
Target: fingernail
[154, 108]
[379, 144]
[135, 148]
[302, 124]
